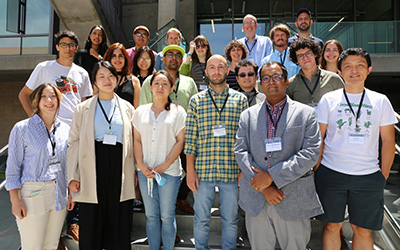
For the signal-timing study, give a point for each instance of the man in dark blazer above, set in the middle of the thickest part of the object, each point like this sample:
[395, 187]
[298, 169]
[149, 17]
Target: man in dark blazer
[277, 145]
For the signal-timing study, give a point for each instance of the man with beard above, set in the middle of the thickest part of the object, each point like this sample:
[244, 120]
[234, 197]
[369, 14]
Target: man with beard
[280, 35]
[303, 23]
[211, 125]
[257, 46]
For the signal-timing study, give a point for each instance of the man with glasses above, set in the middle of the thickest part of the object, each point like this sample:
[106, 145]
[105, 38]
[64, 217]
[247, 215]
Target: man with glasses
[312, 82]
[258, 47]
[71, 79]
[277, 145]
[246, 75]
[303, 23]
[141, 35]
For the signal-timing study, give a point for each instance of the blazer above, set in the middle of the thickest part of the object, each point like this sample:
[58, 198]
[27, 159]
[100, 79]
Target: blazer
[291, 168]
[81, 162]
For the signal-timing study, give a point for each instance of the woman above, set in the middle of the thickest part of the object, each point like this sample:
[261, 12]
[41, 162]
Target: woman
[164, 122]
[100, 165]
[194, 64]
[330, 55]
[143, 63]
[95, 47]
[128, 86]
[36, 173]
[234, 52]
[174, 37]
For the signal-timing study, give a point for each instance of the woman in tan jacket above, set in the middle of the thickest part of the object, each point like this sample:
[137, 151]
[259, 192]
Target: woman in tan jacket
[101, 165]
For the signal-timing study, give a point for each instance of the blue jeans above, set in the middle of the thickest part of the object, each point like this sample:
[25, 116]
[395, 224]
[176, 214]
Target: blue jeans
[228, 198]
[160, 207]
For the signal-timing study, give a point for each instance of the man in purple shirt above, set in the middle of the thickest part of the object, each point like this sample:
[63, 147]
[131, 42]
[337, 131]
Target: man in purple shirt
[141, 35]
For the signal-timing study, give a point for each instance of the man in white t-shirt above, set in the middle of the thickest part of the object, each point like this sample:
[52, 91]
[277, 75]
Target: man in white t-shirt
[352, 120]
[72, 80]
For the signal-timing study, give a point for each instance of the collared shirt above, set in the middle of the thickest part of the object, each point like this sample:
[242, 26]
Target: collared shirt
[29, 156]
[215, 158]
[328, 81]
[276, 112]
[284, 57]
[184, 89]
[258, 49]
[316, 39]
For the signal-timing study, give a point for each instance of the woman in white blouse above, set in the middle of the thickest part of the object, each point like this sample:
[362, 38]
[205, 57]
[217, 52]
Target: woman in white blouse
[162, 123]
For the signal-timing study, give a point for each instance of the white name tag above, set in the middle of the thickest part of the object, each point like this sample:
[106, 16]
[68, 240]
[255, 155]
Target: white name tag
[356, 139]
[55, 167]
[272, 145]
[219, 130]
[203, 86]
[110, 139]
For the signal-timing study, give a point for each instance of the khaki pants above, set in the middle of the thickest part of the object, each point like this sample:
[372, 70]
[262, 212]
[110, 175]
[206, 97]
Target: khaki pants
[41, 228]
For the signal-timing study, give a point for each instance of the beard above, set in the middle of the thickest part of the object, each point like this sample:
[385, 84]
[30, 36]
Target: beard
[218, 81]
[303, 28]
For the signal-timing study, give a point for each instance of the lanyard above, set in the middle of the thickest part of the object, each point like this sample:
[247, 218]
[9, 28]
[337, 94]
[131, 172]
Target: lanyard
[176, 89]
[203, 70]
[275, 124]
[315, 86]
[105, 115]
[359, 106]
[284, 57]
[215, 105]
[252, 47]
[53, 143]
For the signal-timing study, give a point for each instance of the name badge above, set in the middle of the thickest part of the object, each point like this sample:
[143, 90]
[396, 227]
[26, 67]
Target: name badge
[356, 139]
[110, 139]
[272, 145]
[219, 130]
[54, 166]
[203, 86]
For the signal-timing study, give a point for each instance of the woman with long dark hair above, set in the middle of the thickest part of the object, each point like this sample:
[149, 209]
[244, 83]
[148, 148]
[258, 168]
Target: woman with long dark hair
[330, 55]
[143, 63]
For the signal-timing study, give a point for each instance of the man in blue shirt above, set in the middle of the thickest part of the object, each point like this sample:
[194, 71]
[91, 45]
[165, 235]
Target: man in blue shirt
[303, 23]
[257, 46]
[279, 36]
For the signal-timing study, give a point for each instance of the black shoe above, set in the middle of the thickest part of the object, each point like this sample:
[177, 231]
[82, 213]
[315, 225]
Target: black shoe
[137, 205]
[239, 242]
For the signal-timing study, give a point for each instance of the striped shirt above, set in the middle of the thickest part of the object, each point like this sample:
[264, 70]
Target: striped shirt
[275, 112]
[215, 158]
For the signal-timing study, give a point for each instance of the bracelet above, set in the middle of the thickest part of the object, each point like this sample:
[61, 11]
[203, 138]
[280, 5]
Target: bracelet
[188, 54]
[100, 58]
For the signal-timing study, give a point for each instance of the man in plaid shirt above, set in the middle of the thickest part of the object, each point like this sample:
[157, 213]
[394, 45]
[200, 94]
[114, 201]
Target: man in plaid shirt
[211, 125]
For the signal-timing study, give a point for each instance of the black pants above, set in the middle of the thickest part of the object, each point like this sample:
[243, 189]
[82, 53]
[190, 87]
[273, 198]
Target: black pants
[107, 224]
[184, 189]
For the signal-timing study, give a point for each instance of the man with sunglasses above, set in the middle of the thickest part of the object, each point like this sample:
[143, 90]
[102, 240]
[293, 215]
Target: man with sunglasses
[246, 75]
[141, 35]
[277, 145]
[312, 82]
[72, 80]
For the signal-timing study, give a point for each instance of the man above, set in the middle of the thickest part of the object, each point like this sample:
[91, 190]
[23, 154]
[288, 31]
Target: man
[258, 47]
[303, 23]
[352, 121]
[211, 125]
[74, 84]
[141, 35]
[246, 76]
[279, 36]
[277, 191]
[311, 83]
[174, 37]
[184, 89]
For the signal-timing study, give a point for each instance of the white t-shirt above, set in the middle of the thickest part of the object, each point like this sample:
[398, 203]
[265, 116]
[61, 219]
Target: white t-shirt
[350, 147]
[73, 83]
[159, 134]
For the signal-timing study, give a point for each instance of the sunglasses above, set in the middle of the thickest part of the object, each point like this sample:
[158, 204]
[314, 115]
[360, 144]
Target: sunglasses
[275, 77]
[141, 35]
[198, 46]
[249, 74]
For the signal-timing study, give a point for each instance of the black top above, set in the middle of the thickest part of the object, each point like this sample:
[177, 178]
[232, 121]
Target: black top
[125, 90]
[231, 80]
[141, 79]
[85, 60]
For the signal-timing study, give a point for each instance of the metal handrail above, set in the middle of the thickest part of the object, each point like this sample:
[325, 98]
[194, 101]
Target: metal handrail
[2, 151]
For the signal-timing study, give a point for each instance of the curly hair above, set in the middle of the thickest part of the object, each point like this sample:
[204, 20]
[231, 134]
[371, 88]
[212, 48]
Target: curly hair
[235, 44]
[338, 45]
[302, 43]
[280, 27]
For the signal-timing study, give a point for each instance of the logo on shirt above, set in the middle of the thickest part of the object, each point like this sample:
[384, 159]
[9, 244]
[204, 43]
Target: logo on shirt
[66, 85]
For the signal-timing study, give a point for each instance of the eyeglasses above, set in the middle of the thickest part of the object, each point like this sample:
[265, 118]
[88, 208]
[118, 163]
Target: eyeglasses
[171, 54]
[198, 46]
[144, 60]
[302, 56]
[141, 35]
[64, 45]
[275, 77]
[249, 74]
[249, 23]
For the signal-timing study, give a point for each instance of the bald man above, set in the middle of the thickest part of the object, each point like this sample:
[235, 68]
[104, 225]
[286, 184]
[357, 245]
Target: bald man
[211, 125]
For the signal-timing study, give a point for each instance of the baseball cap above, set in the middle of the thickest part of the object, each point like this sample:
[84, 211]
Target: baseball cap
[141, 27]
[171, 47]
[303, 10]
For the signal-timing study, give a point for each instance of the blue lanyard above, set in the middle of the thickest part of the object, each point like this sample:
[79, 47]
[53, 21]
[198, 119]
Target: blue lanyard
[315, 86]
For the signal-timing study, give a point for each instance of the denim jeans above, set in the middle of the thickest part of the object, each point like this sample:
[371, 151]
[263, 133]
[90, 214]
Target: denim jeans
[203, 199]
[160, 208]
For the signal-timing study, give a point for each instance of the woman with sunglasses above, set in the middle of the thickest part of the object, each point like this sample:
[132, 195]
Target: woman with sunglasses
[194, 64]
[143, 63]
[234, 52]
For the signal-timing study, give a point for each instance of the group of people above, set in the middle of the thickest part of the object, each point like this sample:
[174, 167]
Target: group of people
[261, 129]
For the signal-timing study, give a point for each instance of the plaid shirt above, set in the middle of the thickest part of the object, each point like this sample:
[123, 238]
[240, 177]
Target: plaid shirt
[276, 112]
[215, 158]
